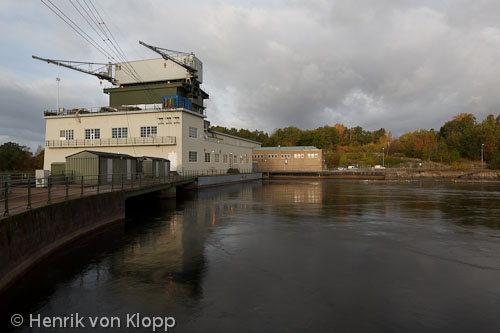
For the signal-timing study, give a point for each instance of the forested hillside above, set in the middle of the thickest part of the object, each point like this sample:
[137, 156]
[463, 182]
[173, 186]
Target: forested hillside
[458, 140]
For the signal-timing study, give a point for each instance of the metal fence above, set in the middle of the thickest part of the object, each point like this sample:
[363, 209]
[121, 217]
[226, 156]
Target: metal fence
[22, 191]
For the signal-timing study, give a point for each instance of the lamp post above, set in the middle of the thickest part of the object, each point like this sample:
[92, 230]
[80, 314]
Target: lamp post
[383, 164]
[482, 156]
[58, 80]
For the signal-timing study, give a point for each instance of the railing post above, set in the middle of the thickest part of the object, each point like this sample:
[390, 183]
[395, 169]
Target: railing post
[48, 190]
[29, 192]
[140, 182]
[67, 188]
[6, 189]
[122, 181]
[98, 182]
[81, 186]
[112, 182]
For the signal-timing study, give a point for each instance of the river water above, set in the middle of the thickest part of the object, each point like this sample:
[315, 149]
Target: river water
[285, 256]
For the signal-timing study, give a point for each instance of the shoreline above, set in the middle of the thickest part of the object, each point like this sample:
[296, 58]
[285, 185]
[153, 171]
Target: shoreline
[464, 176]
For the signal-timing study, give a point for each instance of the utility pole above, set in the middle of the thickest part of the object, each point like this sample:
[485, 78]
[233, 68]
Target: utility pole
[383, 164]
[482, 156]
[58, 80]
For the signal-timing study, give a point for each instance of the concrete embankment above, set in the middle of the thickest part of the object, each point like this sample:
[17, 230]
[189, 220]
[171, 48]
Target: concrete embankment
[227, 179]
[389, 174]
[442, 175]
[27, 238]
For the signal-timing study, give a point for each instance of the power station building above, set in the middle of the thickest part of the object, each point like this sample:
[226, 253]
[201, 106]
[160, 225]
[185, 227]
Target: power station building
[155, 109]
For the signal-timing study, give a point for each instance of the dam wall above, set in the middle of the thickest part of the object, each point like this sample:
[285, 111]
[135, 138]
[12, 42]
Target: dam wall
[28, 237]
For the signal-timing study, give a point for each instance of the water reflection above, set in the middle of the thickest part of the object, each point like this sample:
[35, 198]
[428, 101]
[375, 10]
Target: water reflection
[289, 255]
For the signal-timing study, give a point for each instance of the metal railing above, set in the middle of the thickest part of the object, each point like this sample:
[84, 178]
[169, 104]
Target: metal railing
[24, 194]
[110, 109]
[22, 191]
[212, 172]
[153, 140]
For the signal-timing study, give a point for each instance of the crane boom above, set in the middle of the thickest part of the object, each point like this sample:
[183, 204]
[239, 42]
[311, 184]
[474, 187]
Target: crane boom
[166, 56]
[101, 75]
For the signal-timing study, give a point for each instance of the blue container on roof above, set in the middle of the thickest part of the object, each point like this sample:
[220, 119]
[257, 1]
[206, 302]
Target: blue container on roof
[176, 102]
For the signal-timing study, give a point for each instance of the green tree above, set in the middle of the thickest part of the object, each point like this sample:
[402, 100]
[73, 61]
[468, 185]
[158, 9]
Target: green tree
[14, 157]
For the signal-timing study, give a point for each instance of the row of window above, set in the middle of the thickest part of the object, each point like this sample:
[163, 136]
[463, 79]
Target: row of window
[271, 156]
[116, 133]
[193, 158]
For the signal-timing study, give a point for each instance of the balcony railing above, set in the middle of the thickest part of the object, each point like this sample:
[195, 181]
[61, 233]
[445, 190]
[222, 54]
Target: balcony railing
[136, 141]
[109, 109]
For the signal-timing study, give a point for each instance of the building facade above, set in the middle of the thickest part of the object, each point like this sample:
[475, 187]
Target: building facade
[306, 158]
[156, 108]
[179, 135]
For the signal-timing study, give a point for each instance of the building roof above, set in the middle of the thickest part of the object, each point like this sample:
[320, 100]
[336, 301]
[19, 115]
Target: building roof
[154, 158]
[101, 153]
[234, 136]
[286, 148]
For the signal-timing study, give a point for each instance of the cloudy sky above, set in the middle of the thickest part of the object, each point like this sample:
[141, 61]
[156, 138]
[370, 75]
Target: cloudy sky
[397, 64]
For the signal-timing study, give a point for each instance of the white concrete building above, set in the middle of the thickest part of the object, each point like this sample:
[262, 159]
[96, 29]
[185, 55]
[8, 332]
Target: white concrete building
[180, 135]
[156, 108]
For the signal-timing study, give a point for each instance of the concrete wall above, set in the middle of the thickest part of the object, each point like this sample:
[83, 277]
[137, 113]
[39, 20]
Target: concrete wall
[29, 237]
[219, 180]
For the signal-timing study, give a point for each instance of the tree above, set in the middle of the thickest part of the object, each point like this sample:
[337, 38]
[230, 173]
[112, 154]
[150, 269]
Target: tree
[14, 157]
[494, 162]
[377, 135]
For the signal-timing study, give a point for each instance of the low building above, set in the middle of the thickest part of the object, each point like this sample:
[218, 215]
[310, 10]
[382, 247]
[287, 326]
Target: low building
[95, 167]
[304, 158]
[155, 167]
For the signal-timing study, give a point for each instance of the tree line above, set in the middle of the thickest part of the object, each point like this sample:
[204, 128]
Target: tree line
[462, 138]
[14, 157]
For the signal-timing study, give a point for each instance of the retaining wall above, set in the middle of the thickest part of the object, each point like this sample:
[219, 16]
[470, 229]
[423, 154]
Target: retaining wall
[28, 237]
[226, 179]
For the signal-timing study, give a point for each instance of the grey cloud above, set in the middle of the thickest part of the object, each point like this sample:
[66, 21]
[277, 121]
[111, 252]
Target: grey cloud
[402, 65]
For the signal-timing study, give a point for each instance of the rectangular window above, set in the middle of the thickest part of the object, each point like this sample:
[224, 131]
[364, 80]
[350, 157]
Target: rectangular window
[193, 156]
[316, 155]
[207, 157]
[301, 155]
[224, 158]
[66, 134]
[241, 159]
[235, 159]
[193, 132]
[216, 158]
[148, 131]
[119, 132]
[92, 133]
